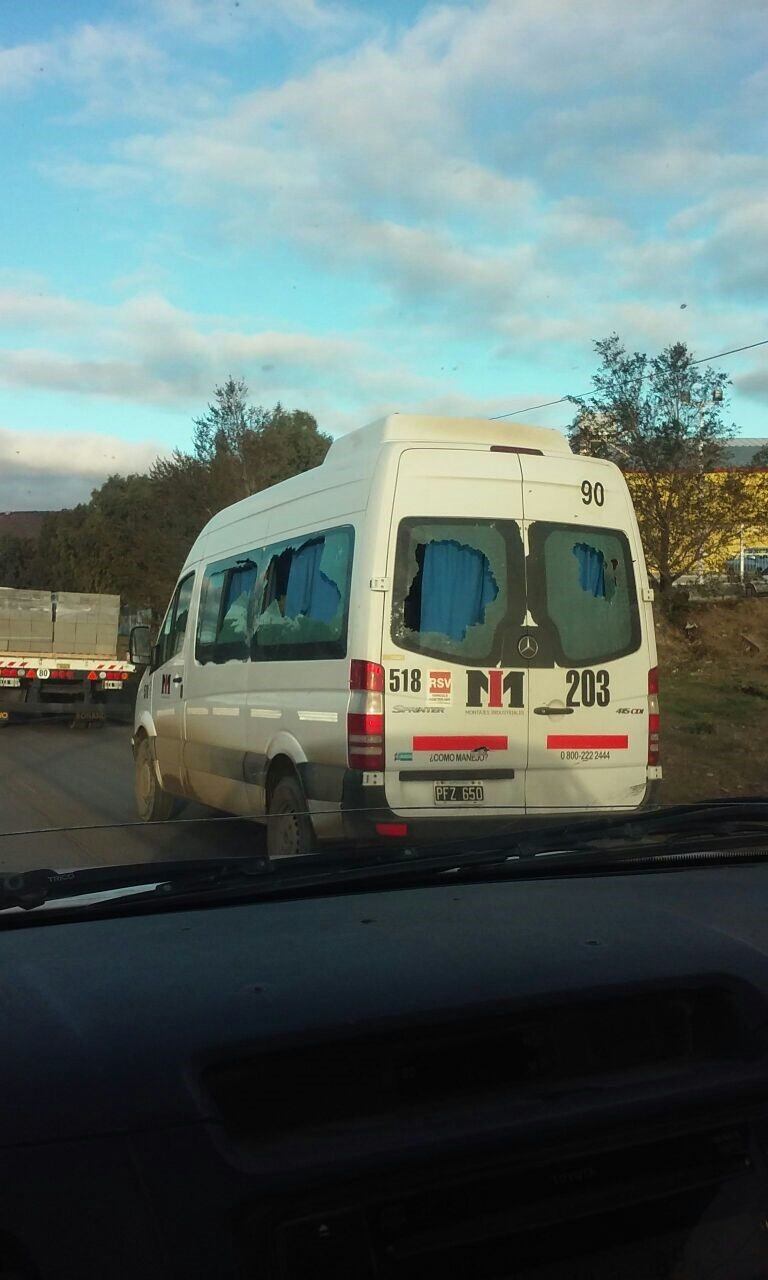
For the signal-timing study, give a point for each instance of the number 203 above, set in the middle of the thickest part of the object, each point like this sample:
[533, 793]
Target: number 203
[587, 688]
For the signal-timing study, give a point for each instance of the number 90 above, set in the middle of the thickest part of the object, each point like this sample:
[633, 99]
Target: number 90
[592, 493]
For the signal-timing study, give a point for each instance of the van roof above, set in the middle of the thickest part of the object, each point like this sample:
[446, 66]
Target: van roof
[352, 455]
[422, 428]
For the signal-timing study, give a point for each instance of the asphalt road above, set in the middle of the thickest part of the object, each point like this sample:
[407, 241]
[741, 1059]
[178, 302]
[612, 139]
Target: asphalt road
[53, 777]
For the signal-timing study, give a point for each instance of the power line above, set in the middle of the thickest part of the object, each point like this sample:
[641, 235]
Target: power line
[514, 413]
[762, 343]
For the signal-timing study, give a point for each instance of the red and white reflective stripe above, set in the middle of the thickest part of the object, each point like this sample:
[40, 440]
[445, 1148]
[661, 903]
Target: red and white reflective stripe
[29, 665]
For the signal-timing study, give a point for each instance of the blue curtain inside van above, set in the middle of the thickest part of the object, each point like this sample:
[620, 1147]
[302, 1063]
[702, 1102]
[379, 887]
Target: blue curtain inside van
[591, 570]
[457, 586]
[309, 592]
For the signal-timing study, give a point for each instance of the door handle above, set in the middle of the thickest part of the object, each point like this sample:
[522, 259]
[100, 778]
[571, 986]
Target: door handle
[553, 711]
[177, 679]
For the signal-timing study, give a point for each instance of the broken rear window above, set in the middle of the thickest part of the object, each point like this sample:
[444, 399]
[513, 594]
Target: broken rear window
[452, 586]
[581, 582]
[305, 602]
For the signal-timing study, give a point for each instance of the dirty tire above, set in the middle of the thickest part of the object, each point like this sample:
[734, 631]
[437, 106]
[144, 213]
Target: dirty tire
[289, 828]
[152, 803]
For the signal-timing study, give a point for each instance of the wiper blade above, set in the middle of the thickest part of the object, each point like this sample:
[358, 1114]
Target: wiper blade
[719, 819]
[332, 867]
[547, 841]
[29, 889]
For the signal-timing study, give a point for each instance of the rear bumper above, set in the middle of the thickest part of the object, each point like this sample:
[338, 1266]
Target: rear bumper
[362, 808]
[37, 699]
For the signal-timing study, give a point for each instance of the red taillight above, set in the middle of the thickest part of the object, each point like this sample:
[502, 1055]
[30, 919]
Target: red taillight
[63, 675]
[654, 718]
[365, 741]
[392, 829]
[365, 718]
[367, 677]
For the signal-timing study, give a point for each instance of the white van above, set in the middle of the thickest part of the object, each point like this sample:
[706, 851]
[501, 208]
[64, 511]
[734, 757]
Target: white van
[450, 619]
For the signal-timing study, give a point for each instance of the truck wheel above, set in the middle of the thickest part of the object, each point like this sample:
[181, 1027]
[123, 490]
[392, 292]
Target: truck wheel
[289, 826]
[152, 803]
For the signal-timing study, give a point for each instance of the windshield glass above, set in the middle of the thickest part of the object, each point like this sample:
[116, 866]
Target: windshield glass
[383, 445]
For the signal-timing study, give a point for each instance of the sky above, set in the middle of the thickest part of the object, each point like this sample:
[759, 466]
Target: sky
[363, 208]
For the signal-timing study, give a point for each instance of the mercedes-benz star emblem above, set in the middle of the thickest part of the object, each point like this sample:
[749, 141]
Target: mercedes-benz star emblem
[527, 647]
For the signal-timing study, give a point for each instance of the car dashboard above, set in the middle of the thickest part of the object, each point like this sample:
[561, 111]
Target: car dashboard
[557, 1077]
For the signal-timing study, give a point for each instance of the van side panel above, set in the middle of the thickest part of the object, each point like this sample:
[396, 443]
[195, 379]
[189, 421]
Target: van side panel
[295, 712]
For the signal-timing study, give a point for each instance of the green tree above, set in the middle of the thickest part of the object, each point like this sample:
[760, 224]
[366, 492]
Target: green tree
[134, 534]
[16, 561]
[247, 448]
[661, 420]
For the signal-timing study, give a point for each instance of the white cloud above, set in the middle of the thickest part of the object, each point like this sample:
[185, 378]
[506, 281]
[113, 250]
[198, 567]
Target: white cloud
[221, 22]
[145, 350]
[524, 175]
[21, 65]
[380, 160]
[29, 308]
[47, 470]
[110, 69]
[82, 453]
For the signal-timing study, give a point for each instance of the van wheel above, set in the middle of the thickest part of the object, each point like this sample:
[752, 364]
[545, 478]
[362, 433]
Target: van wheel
[289, 826]
[152, 803]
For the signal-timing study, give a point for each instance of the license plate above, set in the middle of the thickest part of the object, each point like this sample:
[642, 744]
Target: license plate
[9, 682]
[459, 793]
[113, 684]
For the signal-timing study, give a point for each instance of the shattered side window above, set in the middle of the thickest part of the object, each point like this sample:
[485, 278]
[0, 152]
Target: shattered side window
[208, 613]
[181, 615]
[305, 602]
[225, 605]
[232, 633]
[452, 583]
[581, 581]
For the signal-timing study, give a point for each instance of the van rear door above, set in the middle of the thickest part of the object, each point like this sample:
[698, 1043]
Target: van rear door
[455, 698]
[588, 707]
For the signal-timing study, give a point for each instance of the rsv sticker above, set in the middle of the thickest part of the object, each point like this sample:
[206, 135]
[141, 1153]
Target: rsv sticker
[440, 686]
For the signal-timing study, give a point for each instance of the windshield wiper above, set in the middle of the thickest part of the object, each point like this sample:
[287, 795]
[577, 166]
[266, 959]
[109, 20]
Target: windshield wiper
[29, 889]
[652, 828]
[580, 840]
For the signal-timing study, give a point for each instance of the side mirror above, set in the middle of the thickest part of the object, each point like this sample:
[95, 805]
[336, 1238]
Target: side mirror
[139, 646]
